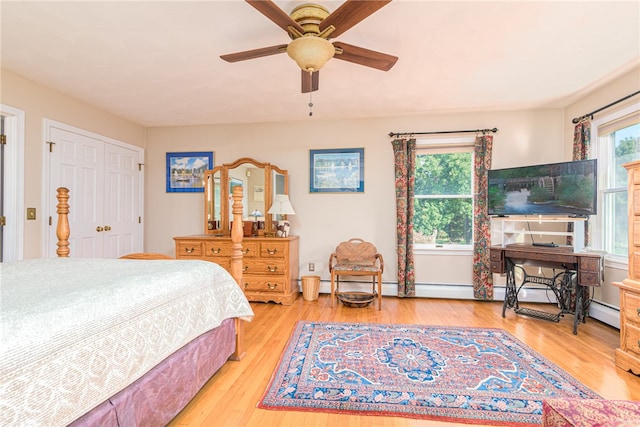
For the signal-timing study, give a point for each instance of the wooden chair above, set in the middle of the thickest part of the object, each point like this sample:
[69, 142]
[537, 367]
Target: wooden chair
[146, 255]
[356, 258]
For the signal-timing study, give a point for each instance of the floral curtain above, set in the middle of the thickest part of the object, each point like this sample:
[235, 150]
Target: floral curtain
[404, 153]
[582, 151]
[482, 276]
[582, 140]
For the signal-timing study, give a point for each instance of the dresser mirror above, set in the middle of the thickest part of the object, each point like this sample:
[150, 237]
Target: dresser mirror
[260, 182]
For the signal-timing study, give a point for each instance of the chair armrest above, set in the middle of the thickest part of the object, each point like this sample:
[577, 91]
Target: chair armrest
[333, 259]
[381, 261]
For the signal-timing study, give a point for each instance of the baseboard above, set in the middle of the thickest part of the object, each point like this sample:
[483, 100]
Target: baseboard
[597, 310]
[605, 313]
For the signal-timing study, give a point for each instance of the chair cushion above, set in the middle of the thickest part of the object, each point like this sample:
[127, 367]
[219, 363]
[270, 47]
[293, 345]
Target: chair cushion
[341, 266]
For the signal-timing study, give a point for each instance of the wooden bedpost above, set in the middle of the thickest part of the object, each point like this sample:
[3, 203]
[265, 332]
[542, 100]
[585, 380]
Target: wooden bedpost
[236, 263]
[62, 229]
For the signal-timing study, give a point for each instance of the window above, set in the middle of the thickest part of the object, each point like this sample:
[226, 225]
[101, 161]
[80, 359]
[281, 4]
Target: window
[618, 142]
[443, 199]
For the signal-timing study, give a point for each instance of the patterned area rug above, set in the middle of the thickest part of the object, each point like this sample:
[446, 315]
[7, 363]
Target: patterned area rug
[465, 375]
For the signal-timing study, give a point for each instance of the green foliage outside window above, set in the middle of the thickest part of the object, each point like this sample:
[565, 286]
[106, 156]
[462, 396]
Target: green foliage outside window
[625, 149]
[443, 200]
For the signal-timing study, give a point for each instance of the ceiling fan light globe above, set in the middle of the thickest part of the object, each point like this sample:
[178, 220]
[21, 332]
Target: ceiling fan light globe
[310, 52]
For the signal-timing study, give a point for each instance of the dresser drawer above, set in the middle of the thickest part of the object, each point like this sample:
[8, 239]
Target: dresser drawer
[497, 261]
[631, 339]
[221, 261]
[217, 248]
[272, 249]
[186, 248]
[265, 266]
[264, 284]
[497, 267]
[224, 248]
[631, 308]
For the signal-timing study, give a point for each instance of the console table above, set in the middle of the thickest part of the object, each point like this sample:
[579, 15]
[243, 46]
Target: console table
[578, 272]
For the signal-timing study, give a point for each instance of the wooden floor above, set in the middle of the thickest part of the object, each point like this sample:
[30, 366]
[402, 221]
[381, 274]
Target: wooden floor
[230, 397]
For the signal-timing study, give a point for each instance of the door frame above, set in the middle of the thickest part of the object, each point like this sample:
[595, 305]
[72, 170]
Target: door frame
[13, 235]
[49, 200]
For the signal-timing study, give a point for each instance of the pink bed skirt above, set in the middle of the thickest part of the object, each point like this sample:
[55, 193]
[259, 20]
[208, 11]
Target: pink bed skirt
[157, 397]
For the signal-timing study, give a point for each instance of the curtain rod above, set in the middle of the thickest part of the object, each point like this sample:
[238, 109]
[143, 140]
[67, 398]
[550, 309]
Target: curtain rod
[397, 134]
[577, 119]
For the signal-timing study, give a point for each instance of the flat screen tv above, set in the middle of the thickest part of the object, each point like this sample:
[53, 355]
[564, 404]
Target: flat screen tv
[568, 188]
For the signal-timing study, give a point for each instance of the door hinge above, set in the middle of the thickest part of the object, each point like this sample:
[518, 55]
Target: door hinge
[140, 165]
[3, 139]
[50, 221]
[139, 220]
[3, 221]
[51, 144]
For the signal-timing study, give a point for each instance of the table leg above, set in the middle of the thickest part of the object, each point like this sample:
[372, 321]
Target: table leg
[510, 291]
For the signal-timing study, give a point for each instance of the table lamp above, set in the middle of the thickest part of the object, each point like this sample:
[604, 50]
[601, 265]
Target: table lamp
[282, 206]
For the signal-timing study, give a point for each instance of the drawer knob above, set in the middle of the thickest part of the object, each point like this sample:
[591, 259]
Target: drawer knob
[245, 268]
[272, 269]
[246, 251]
[638, 311]
[216, 251]
[187, 250]
[272, 286]
[272, 251]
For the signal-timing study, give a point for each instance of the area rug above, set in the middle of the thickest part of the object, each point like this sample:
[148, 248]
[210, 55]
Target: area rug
[465, 375]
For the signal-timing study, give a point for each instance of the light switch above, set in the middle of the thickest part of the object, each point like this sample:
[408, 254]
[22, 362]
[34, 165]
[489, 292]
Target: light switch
[31, 213]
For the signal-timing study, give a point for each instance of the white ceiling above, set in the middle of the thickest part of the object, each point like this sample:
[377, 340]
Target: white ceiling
[157, 63]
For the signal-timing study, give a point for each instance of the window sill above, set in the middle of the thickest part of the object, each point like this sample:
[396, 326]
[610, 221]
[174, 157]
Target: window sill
[616, 262]
[449, 250]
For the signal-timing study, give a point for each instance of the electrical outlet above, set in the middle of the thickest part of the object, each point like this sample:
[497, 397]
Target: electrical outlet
[312, 266]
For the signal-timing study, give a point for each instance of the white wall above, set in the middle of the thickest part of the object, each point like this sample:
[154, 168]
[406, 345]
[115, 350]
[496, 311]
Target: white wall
[39, 102]
[324, 220]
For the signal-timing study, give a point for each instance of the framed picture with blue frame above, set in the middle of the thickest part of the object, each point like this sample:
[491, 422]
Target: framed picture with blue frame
[336, 170]
[185, 171]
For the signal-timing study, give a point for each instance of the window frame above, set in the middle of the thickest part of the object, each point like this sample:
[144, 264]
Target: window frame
[602, 151]
[443, 145]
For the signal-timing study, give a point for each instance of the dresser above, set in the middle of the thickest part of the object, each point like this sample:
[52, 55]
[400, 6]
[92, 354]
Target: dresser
[269, 264]
[628, 355]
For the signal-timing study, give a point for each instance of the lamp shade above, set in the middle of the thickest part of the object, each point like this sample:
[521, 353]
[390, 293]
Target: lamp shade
[310, 52]
[281, 206]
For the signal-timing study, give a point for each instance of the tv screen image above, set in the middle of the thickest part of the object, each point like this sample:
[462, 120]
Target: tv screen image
[567, 188]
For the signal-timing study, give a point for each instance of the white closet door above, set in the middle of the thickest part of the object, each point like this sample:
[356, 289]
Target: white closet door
[105, 197]
[122, 202]
[77, 163]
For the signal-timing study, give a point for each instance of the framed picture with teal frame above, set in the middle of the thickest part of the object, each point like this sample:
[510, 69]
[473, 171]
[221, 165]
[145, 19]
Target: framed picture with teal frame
[185, 171]
[336, 170]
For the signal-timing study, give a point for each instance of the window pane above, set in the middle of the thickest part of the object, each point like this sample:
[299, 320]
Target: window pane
[626, 148]
[443, 174]
[443, 221]
[617, 241]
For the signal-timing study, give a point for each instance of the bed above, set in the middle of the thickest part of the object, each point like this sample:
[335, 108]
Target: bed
[132, 349]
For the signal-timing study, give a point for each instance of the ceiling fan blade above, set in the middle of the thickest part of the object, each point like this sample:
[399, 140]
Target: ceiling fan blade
[349, 14]
[275, 14]
[366, 57]
[255, 53]
[310, 81]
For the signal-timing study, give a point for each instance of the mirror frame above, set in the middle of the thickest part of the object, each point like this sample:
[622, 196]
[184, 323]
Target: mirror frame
[223, 227]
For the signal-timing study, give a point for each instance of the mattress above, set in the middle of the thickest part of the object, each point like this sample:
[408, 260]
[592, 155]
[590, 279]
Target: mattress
[77, 331]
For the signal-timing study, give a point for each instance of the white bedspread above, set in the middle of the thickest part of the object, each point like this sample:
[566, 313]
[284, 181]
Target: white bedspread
[77, 331]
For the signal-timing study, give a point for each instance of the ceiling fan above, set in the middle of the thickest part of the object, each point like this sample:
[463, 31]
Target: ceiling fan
[310, 26]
